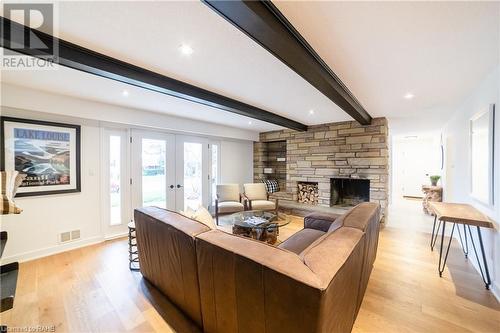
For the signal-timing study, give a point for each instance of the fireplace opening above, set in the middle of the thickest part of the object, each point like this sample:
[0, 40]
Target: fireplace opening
[307, 192]
[349, 192]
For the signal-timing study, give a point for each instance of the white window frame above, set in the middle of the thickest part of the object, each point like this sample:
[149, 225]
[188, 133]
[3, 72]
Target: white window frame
[109, 230]
[488, 114]
[210, 193]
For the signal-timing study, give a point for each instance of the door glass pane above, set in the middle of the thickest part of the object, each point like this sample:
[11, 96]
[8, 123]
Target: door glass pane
[214, 180]
[154, 191]
[192, 175]
[114, 180]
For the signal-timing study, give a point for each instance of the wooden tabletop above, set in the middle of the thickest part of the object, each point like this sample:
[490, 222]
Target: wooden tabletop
[460, 213]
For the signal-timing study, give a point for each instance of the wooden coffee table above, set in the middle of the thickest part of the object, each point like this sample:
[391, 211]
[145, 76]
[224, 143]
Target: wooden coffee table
[266, 231]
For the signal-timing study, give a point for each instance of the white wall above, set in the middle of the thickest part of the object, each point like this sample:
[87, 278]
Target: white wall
[34, 233]
[457, 165]
[241, 152]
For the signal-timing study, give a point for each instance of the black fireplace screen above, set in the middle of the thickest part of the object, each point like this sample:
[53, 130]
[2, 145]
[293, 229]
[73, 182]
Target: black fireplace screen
[349, 191]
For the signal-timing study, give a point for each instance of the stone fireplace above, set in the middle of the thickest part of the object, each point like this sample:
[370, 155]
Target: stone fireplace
[345, 150]
[349, 192]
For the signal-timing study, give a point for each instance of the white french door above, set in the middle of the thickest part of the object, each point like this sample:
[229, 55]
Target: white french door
[153, 169]
[173, 171]
[192, 172]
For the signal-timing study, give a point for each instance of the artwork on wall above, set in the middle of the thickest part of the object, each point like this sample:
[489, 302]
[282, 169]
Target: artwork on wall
[482, 132]
[48, 153]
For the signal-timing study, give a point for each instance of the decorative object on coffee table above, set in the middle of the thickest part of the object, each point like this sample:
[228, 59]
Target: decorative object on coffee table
[133, 256]
[259, 225]
[431, 193]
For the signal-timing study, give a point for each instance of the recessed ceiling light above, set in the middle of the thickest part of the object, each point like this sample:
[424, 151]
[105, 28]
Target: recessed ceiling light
[186, 49]
[311, 112]
[125, 93]
[250, 122]
[409, 96]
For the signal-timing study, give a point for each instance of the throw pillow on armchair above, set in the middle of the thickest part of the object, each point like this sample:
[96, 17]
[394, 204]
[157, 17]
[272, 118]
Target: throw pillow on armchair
[271, 185]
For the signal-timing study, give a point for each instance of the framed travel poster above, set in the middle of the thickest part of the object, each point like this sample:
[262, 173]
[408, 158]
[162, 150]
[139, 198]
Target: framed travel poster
[48, 153]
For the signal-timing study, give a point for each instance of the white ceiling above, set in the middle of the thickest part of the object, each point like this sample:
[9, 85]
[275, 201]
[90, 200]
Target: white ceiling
[148, 34]
[70, 82]
[381, 50]
[439, 51]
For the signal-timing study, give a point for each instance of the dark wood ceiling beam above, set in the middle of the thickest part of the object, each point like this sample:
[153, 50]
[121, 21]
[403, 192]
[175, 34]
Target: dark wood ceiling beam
[80, 58]
[266, 25]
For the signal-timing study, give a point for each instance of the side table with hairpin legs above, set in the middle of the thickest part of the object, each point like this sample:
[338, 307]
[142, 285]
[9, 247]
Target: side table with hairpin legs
[468, 216]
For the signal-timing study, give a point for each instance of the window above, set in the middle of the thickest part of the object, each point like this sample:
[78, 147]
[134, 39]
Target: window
[193, 175]
[213, 172]
[154, 160]
[481, 137]
[115, 174]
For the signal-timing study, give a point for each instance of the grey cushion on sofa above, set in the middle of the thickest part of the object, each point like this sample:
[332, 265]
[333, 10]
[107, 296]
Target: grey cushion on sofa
[319, 221]
[299, 241]
[315, 226]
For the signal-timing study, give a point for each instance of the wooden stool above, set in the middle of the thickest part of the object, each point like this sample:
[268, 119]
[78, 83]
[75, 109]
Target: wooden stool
[133, 257]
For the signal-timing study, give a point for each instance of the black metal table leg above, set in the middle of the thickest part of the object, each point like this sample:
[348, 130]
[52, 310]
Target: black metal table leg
[433, 230]
[466, 248]
[486, 274]
[435, 237]
[441, 267]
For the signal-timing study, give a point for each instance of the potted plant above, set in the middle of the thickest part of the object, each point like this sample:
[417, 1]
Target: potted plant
[434, 180]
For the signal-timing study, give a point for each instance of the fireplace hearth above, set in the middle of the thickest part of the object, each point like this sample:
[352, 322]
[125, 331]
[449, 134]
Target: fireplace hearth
[348, 192]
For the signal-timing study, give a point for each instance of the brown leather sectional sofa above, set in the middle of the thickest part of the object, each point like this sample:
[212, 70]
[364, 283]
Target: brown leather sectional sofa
[312, 282]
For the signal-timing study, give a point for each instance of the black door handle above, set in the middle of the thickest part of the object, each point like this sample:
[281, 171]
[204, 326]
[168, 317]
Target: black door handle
[179, 185]
[171, 186]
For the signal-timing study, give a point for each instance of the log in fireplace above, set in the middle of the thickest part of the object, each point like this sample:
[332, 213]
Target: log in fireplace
[349, 191]
[307, 192]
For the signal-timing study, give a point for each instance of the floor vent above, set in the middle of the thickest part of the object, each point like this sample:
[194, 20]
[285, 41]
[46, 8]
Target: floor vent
[68, 236]
[75, 234]
[65, 237]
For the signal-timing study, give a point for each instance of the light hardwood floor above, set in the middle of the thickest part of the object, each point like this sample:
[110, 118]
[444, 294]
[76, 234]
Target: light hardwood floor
[92, 290]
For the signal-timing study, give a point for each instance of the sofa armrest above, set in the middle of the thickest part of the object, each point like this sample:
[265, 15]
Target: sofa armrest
[319, 221]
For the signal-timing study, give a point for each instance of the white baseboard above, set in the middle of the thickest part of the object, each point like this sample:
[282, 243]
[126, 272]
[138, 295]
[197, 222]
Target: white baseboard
[31, 255]
[495, 290]
[115, 236]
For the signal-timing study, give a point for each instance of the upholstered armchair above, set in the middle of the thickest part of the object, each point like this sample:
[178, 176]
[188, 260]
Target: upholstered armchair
[258, 199]
[228, 200]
